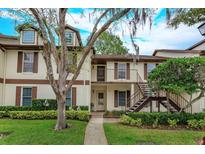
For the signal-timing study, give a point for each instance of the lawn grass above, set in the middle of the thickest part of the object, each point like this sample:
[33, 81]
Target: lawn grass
[118, 134]
[40, 132]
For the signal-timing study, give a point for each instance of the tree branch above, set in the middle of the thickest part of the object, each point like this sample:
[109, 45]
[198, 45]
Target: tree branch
[89, 45]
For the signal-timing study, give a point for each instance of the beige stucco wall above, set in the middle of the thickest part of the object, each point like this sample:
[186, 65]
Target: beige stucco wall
[200, 47]
[110, 95]
[1, 63]
[45, 91]
[109, 75]
[11, 69]
[176, 55]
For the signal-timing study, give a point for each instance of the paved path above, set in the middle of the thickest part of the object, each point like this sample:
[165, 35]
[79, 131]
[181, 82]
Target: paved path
[94, 134]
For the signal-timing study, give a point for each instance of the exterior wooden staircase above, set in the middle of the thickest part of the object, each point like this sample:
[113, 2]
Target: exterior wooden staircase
[144, 95]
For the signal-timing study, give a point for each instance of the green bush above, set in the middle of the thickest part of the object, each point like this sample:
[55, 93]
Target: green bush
[202, 123]
[2, 114]
[44, 104]
[150, 118]
[193, 123]
[51, 114]
[15, 108]
[173, 123]
[124, 119]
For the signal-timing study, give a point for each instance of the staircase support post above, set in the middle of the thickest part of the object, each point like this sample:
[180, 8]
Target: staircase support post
[150, 106]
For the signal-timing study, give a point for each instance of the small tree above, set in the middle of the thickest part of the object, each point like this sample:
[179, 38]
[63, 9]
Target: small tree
[109, 44]
[180, 75]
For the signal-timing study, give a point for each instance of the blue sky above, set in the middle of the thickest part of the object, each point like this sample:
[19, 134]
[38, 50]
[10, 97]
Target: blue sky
[159, 37]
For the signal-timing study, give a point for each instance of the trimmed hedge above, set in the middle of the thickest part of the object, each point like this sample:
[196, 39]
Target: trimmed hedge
[162, 117]
[41, 105]
[51, 114]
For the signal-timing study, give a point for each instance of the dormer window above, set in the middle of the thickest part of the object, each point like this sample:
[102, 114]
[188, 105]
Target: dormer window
[69, 37]
[28, 37]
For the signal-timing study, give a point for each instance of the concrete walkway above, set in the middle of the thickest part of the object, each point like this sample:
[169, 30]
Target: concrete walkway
[94, 134]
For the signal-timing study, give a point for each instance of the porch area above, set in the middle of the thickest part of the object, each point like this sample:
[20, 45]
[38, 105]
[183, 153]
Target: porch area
[117, 96]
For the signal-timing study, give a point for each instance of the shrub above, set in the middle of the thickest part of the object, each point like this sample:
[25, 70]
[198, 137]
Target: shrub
[51, 114]
[202, 123]
[2, 114]
[83, 115]
[15, 108]
[173, 123]
[126, 120]
[44, 104]
[84, 108]
[150, 118]
[138, 122]
[156, 123]
[193, 123]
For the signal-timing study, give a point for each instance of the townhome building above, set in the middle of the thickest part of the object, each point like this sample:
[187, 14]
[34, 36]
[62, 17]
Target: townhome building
[105, 82]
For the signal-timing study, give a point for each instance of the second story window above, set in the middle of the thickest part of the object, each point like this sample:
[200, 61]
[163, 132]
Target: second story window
[150, 67]
[28, 37]
[28, 62]
[121, 71]
[69, 37]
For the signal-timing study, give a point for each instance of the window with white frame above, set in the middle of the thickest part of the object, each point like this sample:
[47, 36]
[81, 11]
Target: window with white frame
[69, 37]
[28, 37]
[121, 98]
[27, 96]
[28, 62]
[121, 71]
[68, 98]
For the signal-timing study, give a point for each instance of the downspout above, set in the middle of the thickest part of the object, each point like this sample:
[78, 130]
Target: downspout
[4, 78]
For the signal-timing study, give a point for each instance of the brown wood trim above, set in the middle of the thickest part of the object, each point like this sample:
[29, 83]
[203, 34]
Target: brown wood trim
[87, 82]
[37, 81]
[34, 92]
[145, 71]
[19, 62]
[116, 98]
[1, 80]
[115, 71]
[74, 96]
[35, 64]
[112, 82]
[18, 95]
[128, 98]
[128, 71]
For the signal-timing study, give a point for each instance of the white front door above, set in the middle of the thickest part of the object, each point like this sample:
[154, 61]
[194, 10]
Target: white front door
[100, 101]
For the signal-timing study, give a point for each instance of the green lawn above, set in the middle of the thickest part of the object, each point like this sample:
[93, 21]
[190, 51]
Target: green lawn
[127, 135]
[31, 132]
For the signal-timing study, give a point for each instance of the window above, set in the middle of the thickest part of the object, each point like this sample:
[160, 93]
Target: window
[69, 37]
[28, 62]
[28, 37]
[68, 98]
[122, 98]
[150, 67]
[121, 71]
[27, 97]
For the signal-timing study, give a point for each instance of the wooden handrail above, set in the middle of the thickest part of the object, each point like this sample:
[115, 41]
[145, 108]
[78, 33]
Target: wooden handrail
[180, 101]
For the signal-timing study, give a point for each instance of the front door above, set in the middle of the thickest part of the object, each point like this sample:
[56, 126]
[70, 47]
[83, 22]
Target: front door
[100, 104]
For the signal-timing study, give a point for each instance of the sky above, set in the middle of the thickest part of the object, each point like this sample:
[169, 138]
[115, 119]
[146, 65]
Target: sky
[159, 37]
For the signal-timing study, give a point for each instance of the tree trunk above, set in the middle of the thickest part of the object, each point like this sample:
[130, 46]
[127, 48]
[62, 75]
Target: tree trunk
[61, 119]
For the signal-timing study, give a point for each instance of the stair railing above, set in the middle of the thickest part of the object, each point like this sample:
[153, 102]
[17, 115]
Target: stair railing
[180, 101]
